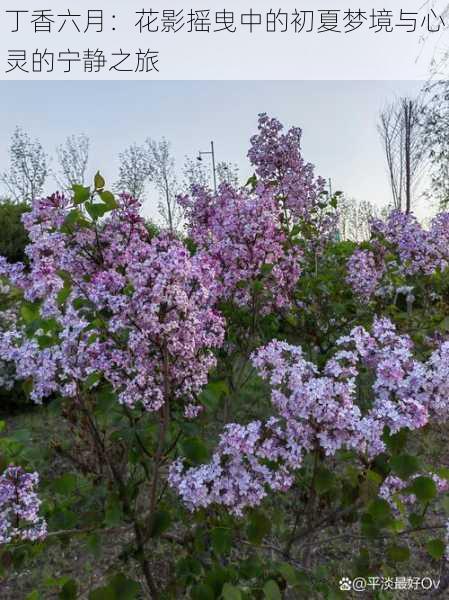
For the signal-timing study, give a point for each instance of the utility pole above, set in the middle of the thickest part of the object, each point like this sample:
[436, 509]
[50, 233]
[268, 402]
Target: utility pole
[214, 171]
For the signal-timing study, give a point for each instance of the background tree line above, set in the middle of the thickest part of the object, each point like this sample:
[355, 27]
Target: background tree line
[413, 133]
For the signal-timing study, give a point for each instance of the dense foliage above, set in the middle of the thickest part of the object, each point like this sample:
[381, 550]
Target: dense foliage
[229, 404]
[14, 236]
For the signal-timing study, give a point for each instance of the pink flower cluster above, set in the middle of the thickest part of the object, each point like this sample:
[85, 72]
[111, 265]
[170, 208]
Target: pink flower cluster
[8, 319]
[365, 271]
[414, 250]
[19, 507]
[316, 410]
[138, 312]
[239, 233]
[246, 234]
[239, 474]
[279, 164]
[418, 249]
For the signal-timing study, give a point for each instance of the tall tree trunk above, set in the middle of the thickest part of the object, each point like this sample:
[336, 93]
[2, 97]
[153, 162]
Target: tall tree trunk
[408, 118]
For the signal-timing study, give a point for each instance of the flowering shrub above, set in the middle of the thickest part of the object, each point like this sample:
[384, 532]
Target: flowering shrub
[402, 249]
[226, 405]
[19, 507]
[7, 319]
[240, 234]
[119, 305]
[318, 411]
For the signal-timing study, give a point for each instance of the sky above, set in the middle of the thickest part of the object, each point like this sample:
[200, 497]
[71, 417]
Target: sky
[338, 119]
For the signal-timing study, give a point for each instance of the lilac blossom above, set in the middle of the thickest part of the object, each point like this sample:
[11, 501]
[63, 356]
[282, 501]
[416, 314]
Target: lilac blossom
[277, 159]
[393, 489]
[240, 235]
[138, 312]
[315, 410]
[19, 507]
[364, 273]
[413, 250]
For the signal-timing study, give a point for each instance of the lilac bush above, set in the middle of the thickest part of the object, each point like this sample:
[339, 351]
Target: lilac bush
[257, 380]
[152, 291]
[316, 411]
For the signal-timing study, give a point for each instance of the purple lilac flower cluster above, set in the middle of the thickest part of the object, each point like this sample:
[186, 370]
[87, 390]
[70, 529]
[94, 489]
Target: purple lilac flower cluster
[245, 233]
[317, 410]
[281, 168]
[19, 507]
[139, 311]
[240, 235]
[365, 271]
[8, 319]
[393, 489]
[415, 250]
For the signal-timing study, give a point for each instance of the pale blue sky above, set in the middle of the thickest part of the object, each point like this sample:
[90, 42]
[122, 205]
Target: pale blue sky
[338, 119]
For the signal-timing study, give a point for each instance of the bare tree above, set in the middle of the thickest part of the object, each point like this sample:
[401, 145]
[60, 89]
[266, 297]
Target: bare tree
[164, 180]
[28, 168]
[195, 173]
[401, 132]
[200, 174]
[73, 157]
[436, 130]
[228, 173]
[355, 218]
[135, 171]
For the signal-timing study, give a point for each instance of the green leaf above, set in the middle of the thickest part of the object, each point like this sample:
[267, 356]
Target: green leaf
[202, 592]
[65, 485]
[72, 218]
[216, 578]
[96, 210]
[113, 513]
[258, 527]
[45, 341]
[397, 441]
[103, 593]
[64, 293]
[81, 194]
[288, 573]
[444, 325]
[266, 268]
[324, 480]
[109, 200]
[118, 588]
[230, 592]
[257, 286]
[161, 522]
[405, 465]
[271, 590]
[93, 379]
[424, 488]
[124, 588]
[398, 553]
[436, 548]
[64, 519]
[416, 520]
[93, 543]
[195, 450]
[27, 387]
[443, 472]
[380, 511]
[252, 181]
[69, 590]
[221, 540]
[29, 311]
[99, 182]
